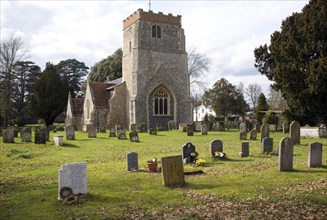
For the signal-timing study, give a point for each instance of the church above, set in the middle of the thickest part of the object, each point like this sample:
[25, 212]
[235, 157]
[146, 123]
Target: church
[155, 86]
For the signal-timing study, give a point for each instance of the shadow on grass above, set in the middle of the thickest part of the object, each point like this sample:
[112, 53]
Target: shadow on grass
[318, 170]
[237, 160]
[71, 145]
[189, 185]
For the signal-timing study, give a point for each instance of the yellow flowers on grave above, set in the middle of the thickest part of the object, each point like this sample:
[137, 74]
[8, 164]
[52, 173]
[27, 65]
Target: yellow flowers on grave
[200, 162]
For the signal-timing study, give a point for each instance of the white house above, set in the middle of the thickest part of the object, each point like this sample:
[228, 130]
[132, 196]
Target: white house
[201, 111]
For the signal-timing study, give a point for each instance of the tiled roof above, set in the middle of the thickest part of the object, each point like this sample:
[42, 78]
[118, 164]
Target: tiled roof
[77, 105]
[100, 93]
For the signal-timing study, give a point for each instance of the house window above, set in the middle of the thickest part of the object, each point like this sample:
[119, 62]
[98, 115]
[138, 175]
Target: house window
[156, 31]
[161, 102]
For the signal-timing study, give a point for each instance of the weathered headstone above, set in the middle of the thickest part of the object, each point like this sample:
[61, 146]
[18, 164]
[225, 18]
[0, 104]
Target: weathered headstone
[91, 131]
[267, 145]
[253, 134]
[216, 146]
[172, 171]
[72, 179]
[243, 135]
[153, 131]
[286, 128]
[285, 154]
[8, 136]
[133, 136]
[121, 134]
[204, 129]
[244, 149]
[26, 134]
[70, 132]
[315, 155]
[58, 140]
[182, 127]
[295, 132]
[159, 127]
[118, 127]
[264, 131]
[187, 149]
[221, 126]
[132, 163]
[197, 125]
[171, 125]
[323, 131]
[242, 127]
[143, 128]
[189, 130]
[15, 131]
[133, 127]
[45, 130]
[257, 127]
[112, 133]
[40, 137]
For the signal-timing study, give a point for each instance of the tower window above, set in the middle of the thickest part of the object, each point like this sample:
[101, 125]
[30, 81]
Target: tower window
[156, 31]
[161, 102]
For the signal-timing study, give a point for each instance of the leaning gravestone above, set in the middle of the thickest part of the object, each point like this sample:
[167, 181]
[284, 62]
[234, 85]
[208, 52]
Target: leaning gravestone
[8, 136]
[253, 134]
[315, 155]
[70, 132]
[295, 132]
[244, 149]
[91, 131]
[121, 134]
[267, 145]
[189, 130]
[216, 146]
[40, 137]
[172, 171]
[187, 150]
[133, 136]
[171, 125]
[153, 131]
[264, 131]
[26, 134]
[112, 132]
[143, 128]
[72, 179]
[285, 154]
[286, 128]
[204, 129]
[132, 161]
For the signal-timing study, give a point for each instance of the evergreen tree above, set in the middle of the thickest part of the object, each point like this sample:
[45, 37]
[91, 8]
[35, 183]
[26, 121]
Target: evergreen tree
[296, 60]
[261, 107]
[50, 95]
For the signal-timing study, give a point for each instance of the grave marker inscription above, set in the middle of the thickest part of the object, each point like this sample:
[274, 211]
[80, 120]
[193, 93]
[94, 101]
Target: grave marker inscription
[216, 146]
[132, 161]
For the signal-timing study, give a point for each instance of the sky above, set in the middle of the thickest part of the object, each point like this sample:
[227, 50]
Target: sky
[226, 31]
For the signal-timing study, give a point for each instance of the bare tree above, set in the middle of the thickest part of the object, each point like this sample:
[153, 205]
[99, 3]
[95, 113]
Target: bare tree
[11, 51]
[253, 91]
[275, 100]
[198, 65]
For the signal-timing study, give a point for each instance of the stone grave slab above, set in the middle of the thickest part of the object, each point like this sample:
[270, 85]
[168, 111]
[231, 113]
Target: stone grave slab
[132, 161]
[189, 130]
[243, 127]
[253, 134]
[216, 146]
[204, 129]
[244, 149]
[40, 137]
[8, 136]
[73, 177]
[143, 128]
[133, 136]
[70, 132]
[295, 132]
[112, 132]
[153, 131]
[171, 125]
[243, 135]
[264, 131]
[26, 134]
[286, 128]
[285, 154]
[58, 140]
[121, 134]
[187, 150]
[172, 171]
[315, 155]
[91, 131]
[267, 145]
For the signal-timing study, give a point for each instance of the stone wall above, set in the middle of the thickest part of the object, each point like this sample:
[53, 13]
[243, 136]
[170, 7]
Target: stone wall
[117, 107]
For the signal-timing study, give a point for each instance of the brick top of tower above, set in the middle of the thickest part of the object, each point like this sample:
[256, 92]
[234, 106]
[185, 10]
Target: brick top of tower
[152, 17]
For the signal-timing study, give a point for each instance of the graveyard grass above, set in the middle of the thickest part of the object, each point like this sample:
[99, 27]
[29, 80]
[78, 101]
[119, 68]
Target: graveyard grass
[250, 187]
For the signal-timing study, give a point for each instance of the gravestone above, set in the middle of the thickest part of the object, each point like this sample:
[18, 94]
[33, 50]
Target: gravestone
[112, 132]
[323, 131]
[197, 125]
[243, 127]
[244, 149]
[285, 154]
[26, 134]
[91, 131]
[172, 171]
[187, 149]
[243, 135]
[295, 132]
[133, 127]
[70, 132]
[45, 130]
[253, 134]
[267, 145]
[182, 127]
[72, 179]
[121, 134]
[8, 136]
[133, 136]
[216, 146]
[132, 161]
[204, 129]
[286, 128]
[40, 137]
[264, 131]
[153, 131]
[143, 128]
[257, 127]
[189, 130]
[118, 127]
[315, 155]
[171, 125]
[221, 126]
[159, 127]
[14, 130]
[58, 140]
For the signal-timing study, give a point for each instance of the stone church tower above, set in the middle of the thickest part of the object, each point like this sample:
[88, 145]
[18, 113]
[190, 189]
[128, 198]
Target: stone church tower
[155, 69]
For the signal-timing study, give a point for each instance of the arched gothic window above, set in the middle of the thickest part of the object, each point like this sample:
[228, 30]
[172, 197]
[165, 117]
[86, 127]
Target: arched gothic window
[156, 31]
[161, 100]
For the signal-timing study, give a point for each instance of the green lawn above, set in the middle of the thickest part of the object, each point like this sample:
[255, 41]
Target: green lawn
[250, 187]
